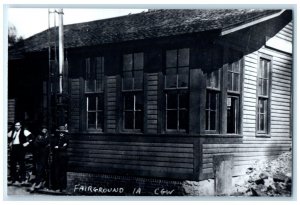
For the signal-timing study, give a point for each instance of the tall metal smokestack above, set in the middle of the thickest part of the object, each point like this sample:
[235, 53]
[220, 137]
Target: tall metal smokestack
[61, 49]
[61, 103]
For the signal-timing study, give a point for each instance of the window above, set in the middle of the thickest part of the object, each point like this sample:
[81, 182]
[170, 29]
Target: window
[132, 89]
[233, 97]
[212, 107]
[177, 111]
[233, 108]
[223, 98]
[94, 111]
[177, 90]
[94, 87]
[233, 80]
[263, 95]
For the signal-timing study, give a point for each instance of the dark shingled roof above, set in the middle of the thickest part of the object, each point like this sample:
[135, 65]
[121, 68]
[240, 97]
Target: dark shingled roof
[145, 25]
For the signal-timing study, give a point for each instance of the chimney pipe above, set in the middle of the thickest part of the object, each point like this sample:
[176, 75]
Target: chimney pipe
[61, 49]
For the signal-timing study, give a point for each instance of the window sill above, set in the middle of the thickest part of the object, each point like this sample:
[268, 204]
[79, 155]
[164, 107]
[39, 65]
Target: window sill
[93, 132]
[131, 132]
[131, 90]
[263, 135]
[224, 135]
[93, 92]
[211, 132]
[170, 131]
[176, 88]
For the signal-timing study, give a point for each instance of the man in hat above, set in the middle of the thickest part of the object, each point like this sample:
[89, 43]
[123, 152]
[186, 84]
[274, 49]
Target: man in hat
[60, 158]
[18, 139]
[41, 147]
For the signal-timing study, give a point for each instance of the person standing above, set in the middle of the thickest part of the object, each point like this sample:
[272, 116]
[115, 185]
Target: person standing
[41, 152]
[18, 139]
[60, 158]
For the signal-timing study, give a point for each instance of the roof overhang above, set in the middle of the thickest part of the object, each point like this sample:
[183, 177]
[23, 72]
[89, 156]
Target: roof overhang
[246, 25]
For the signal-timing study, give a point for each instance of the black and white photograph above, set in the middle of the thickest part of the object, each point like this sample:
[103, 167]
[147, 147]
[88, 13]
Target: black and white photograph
[156, 102]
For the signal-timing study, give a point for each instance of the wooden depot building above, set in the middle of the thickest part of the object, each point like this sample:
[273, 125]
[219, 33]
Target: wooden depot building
[158, 94]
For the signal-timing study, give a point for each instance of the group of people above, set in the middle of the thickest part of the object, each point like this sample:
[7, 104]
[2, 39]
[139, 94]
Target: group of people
[49, 157]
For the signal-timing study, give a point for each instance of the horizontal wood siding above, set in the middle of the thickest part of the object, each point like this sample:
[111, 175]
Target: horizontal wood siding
[130, 155]
[281, 95]
[286, 33]
[151, 101]
[75, 105]
[111, 103]
[249, 106]
[253, 147]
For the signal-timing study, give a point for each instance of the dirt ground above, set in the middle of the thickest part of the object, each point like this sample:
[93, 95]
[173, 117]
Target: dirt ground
[271, 177]
[13, 191]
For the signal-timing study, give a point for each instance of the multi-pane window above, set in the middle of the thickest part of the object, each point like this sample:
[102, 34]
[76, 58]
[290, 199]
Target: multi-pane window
[212, 107]
[233, 80]
[94, 111]
[133, 111]
[132, 87]
[177, 90]
[177, 110]
[94, 87]
[263, 95]
[224, 86]
[233, 96]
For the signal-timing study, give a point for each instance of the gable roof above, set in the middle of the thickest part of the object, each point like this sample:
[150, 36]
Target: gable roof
[145, 25]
